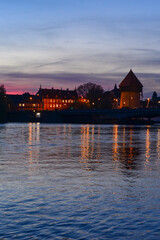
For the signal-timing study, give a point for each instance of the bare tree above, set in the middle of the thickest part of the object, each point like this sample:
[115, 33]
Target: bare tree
[92, 92]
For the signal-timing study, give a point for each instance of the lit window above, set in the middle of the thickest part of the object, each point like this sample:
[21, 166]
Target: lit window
[57, 105]
[30, 98]
[124, 103]
[53, 105]
[34, 105]
[20, 104]
[23, 104]
[53, 100]
[60, 105]
[50, 100]
[50, 105]
[66, 101]
[62, 101]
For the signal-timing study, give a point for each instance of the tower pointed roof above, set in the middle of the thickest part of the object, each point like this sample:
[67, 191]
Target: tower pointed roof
[131, 83]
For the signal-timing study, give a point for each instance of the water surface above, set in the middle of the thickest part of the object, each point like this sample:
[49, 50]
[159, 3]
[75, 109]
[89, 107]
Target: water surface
[79, 181]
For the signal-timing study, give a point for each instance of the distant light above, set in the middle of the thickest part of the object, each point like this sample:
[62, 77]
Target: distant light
[30, 98]
[38, 114]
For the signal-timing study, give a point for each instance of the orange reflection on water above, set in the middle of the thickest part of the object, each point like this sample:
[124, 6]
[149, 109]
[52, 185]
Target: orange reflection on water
[115, 142]
[123, 150]
[131, 153]
[90, 146]
[147, 154]
[85, 143]
[98, 144]
[158, 143]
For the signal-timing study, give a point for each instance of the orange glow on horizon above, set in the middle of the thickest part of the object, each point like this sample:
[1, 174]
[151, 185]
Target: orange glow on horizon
[18, 92]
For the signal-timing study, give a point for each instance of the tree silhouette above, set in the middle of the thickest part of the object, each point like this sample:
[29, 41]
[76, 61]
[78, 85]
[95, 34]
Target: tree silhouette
[3, 104]
[154, 96]
[92, 92]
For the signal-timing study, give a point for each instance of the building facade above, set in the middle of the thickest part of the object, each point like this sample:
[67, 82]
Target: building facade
[55, 99]
[44, 100]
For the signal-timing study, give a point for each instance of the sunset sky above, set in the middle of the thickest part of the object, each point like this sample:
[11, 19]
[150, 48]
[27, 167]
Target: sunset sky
[65, 43]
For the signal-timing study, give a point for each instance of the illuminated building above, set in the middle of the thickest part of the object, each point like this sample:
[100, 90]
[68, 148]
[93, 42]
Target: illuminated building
[55, 99]
[30, 103]
[45, 99]
[25, 102]
[131, 90]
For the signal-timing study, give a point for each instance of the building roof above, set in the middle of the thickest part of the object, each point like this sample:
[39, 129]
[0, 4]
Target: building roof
[15, 99]
[26, 97]
[56, 93]
[131, 83]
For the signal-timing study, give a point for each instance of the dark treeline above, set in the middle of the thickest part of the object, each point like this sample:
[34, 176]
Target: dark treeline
[3, 105]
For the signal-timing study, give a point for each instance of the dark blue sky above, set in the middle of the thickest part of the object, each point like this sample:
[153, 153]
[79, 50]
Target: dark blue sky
[64, 43]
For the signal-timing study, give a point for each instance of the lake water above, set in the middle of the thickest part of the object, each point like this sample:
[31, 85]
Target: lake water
[79, 181]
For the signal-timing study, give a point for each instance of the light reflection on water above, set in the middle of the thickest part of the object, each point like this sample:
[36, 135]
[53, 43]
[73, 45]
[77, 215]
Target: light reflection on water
[79, 181]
